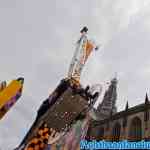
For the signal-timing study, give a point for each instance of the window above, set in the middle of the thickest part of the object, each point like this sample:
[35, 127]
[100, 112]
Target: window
[135, 129]
[116, 132]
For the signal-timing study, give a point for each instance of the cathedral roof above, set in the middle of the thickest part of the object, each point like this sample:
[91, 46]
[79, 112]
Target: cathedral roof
[138, 108]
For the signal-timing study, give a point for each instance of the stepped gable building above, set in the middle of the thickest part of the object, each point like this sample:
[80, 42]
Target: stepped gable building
[131, 124]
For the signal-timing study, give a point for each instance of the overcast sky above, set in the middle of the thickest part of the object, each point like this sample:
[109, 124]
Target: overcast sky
[37, 41]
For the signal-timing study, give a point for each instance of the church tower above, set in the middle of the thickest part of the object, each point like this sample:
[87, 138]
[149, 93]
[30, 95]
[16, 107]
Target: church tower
[108, 105]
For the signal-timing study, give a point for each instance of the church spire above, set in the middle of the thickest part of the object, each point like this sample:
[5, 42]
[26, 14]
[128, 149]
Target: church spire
[146, 99]
[108, 104]
[127, 106]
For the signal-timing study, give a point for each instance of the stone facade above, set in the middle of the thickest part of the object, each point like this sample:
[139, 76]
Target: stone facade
[131, 124]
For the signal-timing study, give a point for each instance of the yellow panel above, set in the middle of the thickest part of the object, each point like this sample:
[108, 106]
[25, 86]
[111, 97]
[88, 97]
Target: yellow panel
[9, 92]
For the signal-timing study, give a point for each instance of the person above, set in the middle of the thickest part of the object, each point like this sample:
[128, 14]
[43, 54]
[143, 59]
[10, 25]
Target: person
[3, 86]
[53, 138]
[94, 98]
[21, 80]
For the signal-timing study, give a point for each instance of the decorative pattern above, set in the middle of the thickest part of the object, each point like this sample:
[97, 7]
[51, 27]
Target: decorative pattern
[39, 142]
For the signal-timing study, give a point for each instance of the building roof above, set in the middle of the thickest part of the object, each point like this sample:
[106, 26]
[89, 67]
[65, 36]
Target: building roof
[138, 108]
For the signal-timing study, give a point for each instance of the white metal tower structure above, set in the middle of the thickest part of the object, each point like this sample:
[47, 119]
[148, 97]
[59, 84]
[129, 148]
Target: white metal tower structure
[83, 50]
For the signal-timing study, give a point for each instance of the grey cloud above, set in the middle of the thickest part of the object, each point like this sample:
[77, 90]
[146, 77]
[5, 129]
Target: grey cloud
[37, 41]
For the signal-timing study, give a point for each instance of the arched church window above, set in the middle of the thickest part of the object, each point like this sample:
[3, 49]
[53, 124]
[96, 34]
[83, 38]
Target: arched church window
[116, 132]
[135, 129]
[101, 133]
